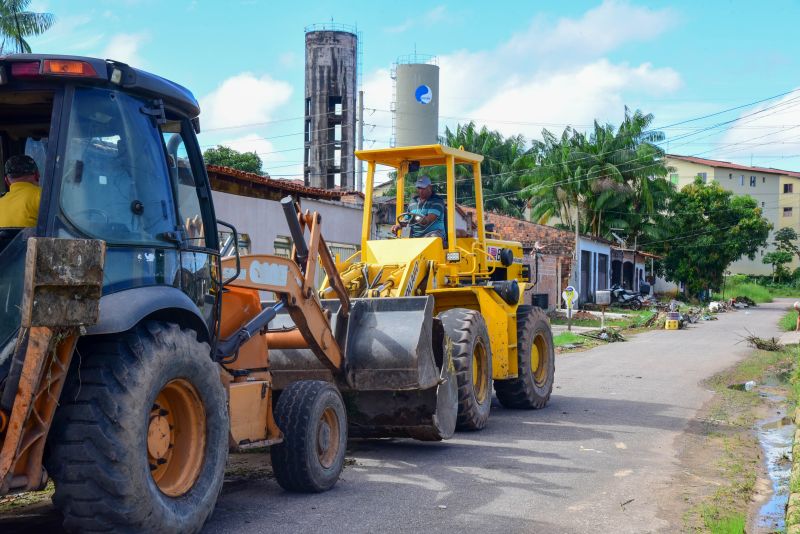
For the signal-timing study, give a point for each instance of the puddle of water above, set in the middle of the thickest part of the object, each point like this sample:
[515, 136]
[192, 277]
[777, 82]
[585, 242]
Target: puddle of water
[775, 436]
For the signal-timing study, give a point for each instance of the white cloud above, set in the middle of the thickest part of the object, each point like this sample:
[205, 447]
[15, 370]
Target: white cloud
[426, 20]
[125, 47]
[244, 99]
[551, 74]
[598, 31]
[770, 129]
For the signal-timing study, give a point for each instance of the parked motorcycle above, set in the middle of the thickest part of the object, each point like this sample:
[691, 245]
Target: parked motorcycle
[625, 298]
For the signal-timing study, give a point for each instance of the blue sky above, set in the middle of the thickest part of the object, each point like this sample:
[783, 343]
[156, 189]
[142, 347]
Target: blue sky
[513, 66]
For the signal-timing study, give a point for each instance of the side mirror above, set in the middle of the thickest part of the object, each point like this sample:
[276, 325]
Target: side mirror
[230, 248]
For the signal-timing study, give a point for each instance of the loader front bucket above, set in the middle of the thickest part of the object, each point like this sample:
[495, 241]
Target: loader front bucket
[398, 378]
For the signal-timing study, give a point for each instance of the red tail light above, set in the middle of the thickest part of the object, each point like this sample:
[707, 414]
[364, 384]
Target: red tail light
[28, 68]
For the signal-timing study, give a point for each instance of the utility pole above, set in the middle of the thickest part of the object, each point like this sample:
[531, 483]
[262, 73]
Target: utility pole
[360, 141]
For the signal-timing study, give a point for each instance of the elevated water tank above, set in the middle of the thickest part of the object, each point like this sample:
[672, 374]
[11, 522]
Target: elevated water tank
[416, 108]
[330, 105]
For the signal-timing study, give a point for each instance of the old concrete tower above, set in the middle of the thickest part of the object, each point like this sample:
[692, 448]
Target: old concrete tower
[330, 106]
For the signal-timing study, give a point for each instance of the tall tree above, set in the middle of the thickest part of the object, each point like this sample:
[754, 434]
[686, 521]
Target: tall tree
[611, 177]
[16, 23]
[228, 157]
[710, 229]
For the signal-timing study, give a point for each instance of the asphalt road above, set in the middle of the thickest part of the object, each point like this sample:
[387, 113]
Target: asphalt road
[594, 460]
[591, 461]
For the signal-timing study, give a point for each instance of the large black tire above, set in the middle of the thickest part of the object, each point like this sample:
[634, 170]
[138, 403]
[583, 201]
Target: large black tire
[99, 451]
[532, 388]
[636, 304]
[472, 358]
[311, 415]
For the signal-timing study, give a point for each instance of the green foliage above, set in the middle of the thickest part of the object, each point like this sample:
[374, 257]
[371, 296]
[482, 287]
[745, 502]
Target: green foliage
[784, 240]
[613, 178]
[778, 258]
[758, 293]
[788, 322]
[227, 157]
[711, 229]
[16, 23]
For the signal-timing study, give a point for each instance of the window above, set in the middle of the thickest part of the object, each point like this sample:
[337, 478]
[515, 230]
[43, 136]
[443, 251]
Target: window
[703, 176]
[741, 179]
[308, 131]
[674, 178]
[763, 179]
[787, 212]
[283, 246]
[788, 188]
[245, 245]
[752, 181]
[308, 107]
[730, 176]
[335, 105]
[190, 213]
[116, 184]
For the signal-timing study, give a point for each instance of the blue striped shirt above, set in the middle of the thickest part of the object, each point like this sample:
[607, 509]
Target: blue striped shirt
[434, 205]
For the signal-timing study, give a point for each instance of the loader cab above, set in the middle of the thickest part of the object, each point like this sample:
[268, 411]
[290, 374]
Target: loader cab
[462, 259]
[119, 161]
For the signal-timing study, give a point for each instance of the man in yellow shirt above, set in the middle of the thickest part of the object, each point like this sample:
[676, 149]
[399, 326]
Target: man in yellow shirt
[19, 208]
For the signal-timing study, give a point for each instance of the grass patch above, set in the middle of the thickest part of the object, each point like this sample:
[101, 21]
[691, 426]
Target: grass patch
[734, 524]
[567, 338]
[758, 293]
[788, 322]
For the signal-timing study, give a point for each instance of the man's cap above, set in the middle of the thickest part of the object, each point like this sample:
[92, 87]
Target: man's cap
[20, 165]
[423, 181]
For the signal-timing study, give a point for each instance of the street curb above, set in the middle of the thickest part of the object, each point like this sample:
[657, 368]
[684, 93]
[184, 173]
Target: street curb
[793, 507]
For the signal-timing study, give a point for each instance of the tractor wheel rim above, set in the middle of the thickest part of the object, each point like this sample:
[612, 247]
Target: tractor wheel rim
[480, 366]
[176, 438]
[328, 438]
[539, 360]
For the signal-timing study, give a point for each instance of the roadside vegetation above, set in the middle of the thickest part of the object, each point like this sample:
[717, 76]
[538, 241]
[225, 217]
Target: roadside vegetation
[726, 437]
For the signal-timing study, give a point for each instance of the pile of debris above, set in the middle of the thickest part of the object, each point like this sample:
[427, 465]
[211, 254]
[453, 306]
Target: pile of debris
[743, 302]
[610, 335]
[772, 344]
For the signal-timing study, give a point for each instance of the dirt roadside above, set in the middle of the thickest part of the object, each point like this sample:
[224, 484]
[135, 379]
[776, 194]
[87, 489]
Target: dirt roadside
[721, 480]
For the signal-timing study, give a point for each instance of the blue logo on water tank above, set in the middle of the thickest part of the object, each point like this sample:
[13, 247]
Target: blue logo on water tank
[423, 94]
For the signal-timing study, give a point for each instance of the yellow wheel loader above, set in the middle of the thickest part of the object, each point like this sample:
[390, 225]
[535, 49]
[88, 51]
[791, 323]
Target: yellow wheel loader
[478, 289]
[134, 356]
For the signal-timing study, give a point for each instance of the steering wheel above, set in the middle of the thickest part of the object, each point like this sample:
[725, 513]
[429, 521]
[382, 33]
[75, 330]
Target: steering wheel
[409, 219]
[89, 213]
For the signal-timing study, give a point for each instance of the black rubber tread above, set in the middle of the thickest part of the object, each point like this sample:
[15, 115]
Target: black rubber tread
[636, 304]
[523, 392]
[466, 328]
[295, 462]
[96, 451]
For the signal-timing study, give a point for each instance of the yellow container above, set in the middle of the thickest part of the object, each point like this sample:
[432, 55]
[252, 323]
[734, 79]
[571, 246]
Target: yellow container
[671, 324]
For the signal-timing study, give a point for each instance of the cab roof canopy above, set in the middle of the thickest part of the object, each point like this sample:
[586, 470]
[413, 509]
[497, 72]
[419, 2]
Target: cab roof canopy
[426, 155]
[128, 78]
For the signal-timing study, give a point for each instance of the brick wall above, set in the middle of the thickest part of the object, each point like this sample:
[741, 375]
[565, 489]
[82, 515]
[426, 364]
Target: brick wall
[549, 282]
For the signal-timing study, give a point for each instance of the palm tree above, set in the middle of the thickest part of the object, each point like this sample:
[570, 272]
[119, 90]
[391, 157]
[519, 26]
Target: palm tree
[16, 23]
[504, 160]
[611, 178]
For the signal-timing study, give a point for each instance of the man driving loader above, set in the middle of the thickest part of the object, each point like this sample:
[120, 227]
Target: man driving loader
[430, 207]
[19, 208]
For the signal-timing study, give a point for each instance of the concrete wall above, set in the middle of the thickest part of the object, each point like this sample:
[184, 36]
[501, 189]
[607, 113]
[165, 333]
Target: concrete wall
[263, 220]
[548, 282]
[331, 73]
